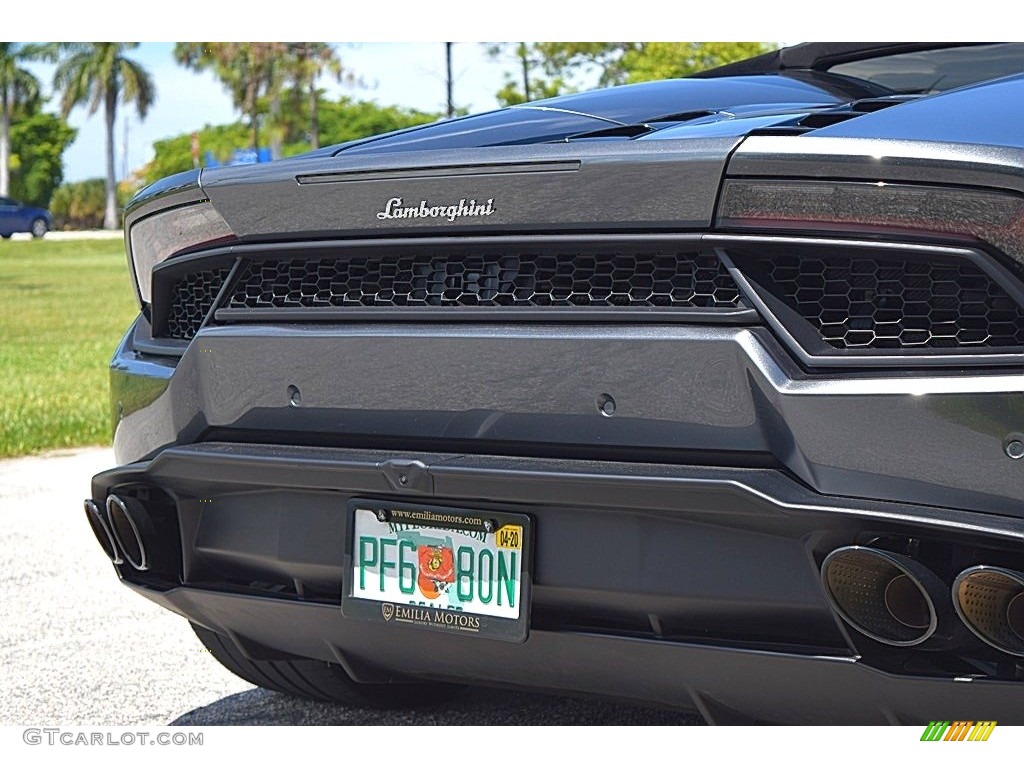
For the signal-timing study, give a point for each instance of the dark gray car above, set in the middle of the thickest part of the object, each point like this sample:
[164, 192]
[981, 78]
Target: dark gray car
[707, 393]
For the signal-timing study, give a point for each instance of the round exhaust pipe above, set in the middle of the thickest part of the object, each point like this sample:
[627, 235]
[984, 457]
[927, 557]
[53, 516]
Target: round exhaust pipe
[101, 530]
[888, 597]
[131, 526]
[990, 601]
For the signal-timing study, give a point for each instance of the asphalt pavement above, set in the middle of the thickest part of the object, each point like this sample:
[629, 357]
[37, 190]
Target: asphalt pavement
[77, 648]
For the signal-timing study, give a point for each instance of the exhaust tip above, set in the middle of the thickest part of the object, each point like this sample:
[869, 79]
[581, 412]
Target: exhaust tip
[881, 594]
[990, 601]
[128, 520]
[101, 530]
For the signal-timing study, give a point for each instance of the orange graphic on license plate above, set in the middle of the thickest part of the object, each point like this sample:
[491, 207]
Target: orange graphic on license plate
[437, 570]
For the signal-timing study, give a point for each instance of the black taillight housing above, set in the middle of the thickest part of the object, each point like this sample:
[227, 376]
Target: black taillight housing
[875, 209]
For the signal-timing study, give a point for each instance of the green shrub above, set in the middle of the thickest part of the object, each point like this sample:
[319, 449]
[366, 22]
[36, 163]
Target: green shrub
[174, 154]
[340, 121]
[79, 205]
[37, 146]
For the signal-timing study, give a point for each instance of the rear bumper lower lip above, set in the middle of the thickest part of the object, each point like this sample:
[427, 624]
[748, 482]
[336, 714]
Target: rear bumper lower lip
[726, 685]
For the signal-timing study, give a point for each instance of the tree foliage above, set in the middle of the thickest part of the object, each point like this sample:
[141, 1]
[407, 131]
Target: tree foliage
[550, 69]
[305, 65]
[247, 71]
[532, 80]
[174, 154]
[38, 142]
[640, 62]
[20, 91]
[340, 121]
[82, 204]
[269, 83]
[79, 205]
[350, 119]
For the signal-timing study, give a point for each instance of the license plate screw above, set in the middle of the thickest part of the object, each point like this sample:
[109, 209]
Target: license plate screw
[489, 526]
[382, 515]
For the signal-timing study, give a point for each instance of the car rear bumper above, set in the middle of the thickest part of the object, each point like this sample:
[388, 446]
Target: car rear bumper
[683, 394]
[686, 586]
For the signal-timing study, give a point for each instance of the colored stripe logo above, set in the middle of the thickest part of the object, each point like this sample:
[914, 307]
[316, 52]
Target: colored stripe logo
[958, 730]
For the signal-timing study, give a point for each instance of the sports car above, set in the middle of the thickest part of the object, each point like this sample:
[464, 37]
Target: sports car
[705, 393]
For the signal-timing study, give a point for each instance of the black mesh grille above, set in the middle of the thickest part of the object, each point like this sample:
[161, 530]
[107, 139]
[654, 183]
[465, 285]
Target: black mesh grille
[191, 300]
[667, 279]
[892, 302]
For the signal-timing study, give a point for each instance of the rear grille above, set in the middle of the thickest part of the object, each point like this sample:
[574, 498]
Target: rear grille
[584, 278]
[192, 299]
[657, 279]
[923, 303]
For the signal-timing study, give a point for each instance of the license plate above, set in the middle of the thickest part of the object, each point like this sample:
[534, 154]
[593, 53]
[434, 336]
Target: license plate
[450, 570]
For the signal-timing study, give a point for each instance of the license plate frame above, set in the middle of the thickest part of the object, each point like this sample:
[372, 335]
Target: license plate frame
[434, 528]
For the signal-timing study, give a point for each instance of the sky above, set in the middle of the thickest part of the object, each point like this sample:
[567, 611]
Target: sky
[406, 74]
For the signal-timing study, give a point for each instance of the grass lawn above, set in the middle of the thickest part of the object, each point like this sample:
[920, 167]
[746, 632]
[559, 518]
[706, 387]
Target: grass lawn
[64, 305]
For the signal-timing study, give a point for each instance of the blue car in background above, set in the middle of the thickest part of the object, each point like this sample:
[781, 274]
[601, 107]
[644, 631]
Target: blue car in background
[15, 217]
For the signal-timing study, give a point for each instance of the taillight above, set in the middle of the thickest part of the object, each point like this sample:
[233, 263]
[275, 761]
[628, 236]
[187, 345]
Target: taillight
[874, 207]
[156, 238]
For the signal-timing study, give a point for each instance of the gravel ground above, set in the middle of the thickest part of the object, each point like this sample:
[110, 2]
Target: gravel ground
[77, 648]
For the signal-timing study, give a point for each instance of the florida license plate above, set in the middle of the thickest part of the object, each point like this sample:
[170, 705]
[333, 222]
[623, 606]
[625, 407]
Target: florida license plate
[450, 570]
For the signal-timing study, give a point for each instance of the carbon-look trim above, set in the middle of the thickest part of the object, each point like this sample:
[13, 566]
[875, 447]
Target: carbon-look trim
[740, 316]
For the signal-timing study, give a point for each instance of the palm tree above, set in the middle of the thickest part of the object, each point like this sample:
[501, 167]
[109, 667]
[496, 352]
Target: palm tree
[18, 88]
[255, 74]
[308, 62]
[247, 70]
[99, 73]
